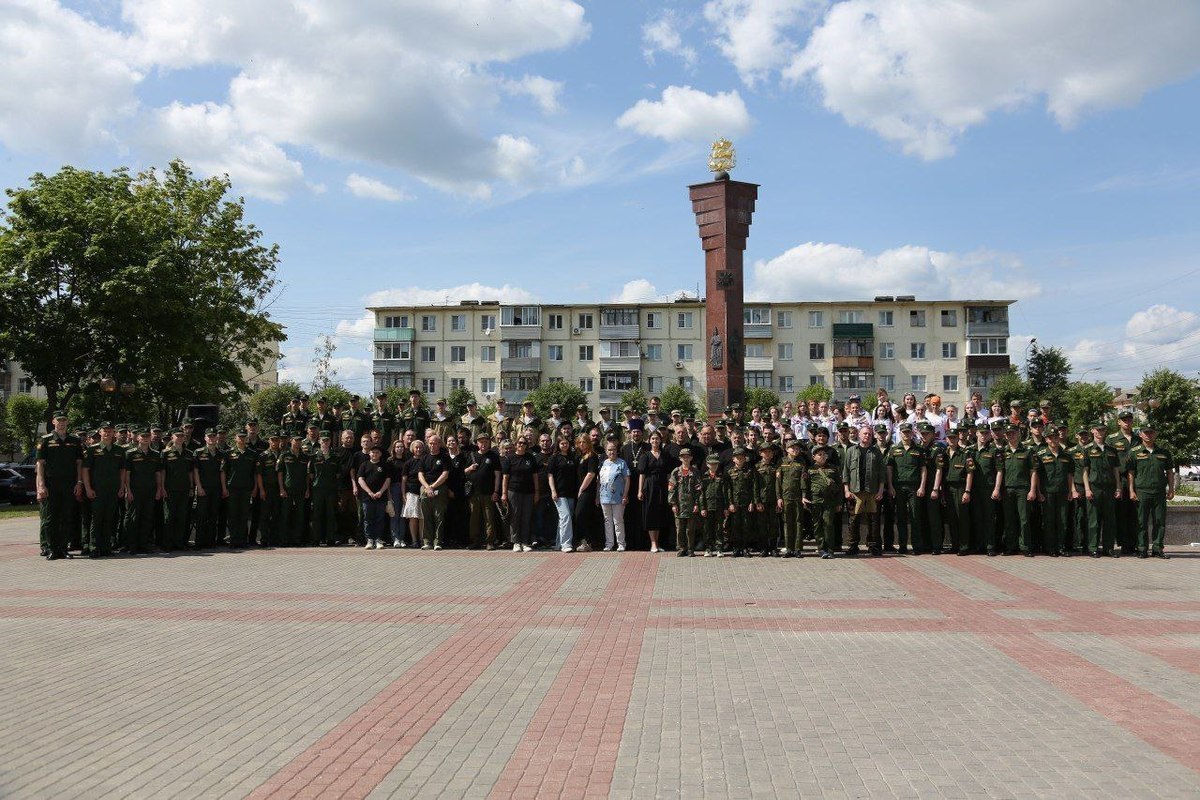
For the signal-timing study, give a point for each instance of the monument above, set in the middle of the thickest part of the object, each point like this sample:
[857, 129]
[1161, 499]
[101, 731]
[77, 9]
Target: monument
[724, 209]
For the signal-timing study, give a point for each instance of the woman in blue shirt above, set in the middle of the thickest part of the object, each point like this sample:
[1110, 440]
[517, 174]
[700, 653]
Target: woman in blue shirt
[613, 495]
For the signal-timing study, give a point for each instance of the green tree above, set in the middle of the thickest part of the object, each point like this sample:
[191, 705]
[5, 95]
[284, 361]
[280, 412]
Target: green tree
[814, 391]
[397, 397]
[676, 398]
[567, 395]
[1173, 405]
[332, 393]
[26, 419]
[759, 397]
[1011, 387]
[233, 416]
[457, 400]
[1048, 372]
[1085, 403]
[154, 280]
[636, 399]
[268, 405]
[324, 373]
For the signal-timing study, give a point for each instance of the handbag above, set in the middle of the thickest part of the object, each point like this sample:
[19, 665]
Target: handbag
[390, 508]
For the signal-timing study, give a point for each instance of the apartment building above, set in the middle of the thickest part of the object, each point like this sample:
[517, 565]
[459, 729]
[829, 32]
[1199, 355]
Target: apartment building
[900, 343]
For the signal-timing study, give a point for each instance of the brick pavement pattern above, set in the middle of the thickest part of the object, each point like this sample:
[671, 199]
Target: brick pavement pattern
[400, 673]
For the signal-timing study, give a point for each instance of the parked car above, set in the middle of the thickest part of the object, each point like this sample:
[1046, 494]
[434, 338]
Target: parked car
[18, 485]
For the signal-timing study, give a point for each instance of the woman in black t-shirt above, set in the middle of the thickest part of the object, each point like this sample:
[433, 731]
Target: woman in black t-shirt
[412, 491]
[373, 483]
[395, 467]
[587, 524]
[562, 473]
[520, 490]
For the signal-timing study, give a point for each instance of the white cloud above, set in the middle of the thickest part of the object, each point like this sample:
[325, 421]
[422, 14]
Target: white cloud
[373, 189]
[685, 113]
[1160, 335]
[418, 296]
[921, 74]
[641, 290]
[755, 35]
[209, 137]
[820, 271]
[353, 373]
[542, 91]
[662, 35]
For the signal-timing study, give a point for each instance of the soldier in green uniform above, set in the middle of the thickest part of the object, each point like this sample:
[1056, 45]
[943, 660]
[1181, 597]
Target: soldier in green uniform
[906, 485]
[1077, 507]
[324, 469]
[293, 491]
[143, 488]
[384, 421]
[822, 496]
[178, 467]
[324, 417]
[1101, 487]
[1151, 485]
[415, 416]
[442, 421]
[267, 479]
[766, 502]
[1017, 487]
[1123, 441]
[743, 486]
[986, 511]
[208, 464]
[1056, 485]
[684, 490]
[294, 419]
[935, 470]
[311, 442]
[59, 481]
[475, 422]
[355, 419]
[102, 484]
[789, 491]
[239, 487]
[714, 506]
[501, 422]
[529, 419]
[959, 480]
[885, 510]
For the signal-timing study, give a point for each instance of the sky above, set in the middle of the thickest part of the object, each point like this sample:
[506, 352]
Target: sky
[401, 151]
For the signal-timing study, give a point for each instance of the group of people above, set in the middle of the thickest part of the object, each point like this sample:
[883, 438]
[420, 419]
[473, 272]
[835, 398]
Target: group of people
[905, 478]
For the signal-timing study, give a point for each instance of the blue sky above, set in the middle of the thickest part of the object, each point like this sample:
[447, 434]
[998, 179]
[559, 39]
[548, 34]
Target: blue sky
[412, 151]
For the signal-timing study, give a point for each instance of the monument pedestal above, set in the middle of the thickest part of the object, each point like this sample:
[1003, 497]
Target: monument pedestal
[724, 210]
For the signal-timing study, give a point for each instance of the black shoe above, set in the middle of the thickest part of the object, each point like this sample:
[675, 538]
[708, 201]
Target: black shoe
[900, 551]
[852, 551]
[876, 552]
[1095, 554]
[55, 556]
[889, 549]
[1143, 554]
[1115, 554]
[937, 551]
[1160, 554]
[1029, 554]
[681, 553]
[1053, 554]
[991, 552]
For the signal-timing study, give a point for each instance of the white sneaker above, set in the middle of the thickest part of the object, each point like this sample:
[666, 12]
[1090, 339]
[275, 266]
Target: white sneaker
[568, 549]
[608, 548]
[370, 544]
[655, 550]
[620, 548]
[720, 554]
[379, 544]
[437, 547]
[396, 543]
[526, 548]
[425, 547]
[783, 551]
[403, 543]
[516, 548]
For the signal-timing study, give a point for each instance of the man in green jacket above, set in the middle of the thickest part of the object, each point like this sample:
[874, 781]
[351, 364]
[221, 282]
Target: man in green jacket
[863, 478]
[1151, 485]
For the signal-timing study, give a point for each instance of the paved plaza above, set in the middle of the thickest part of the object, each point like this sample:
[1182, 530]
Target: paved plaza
[399, 673]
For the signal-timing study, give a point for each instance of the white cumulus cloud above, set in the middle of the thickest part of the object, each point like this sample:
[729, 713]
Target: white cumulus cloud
[663, 34]
[374, 189]
[684, 114]
[1158, 336]
[759, 36]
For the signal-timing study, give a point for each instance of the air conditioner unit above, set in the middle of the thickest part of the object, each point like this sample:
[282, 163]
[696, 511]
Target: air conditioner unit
[575, 331]
[488, 331]
[678, 365]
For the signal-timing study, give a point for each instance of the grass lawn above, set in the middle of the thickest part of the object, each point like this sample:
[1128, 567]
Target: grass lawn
[14, 512]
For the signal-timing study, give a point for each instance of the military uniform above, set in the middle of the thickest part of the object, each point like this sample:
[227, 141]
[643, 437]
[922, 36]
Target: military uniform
[143, 469]
[1124, 508]
[293, 423]
[1099, 462]
[445, 427]
[789, 489]
[907, 464]
[61, 459]
[743, 489]
[1017, 465]
[267, 470]
[959, 465]
[324, 471]
[294, 468]
[501, 429]
[714, 505]
[684, 493]
[767, 497]
[384, 421]
[209, 465]
[1077, 508]
[823, 491]
[177, 480]
[1055, 471]
[103, 464]
[416, 420]
[1150, 472]
[985, 512]
[476, 424]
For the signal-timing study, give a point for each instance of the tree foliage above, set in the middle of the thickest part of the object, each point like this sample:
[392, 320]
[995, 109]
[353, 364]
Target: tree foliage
[332, 393]
[457, 400]
[1176, 415]
[676, 398]
[269, 404]
[154, 280]
[324, 373]
[636, 399]
[1048, 372]
[26, 417]
[1010, 387]
[1084, 403]
[814, 391]
[759, 397]
[567, 395]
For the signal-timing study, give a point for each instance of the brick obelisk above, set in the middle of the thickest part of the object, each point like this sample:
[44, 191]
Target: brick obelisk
[724, 209]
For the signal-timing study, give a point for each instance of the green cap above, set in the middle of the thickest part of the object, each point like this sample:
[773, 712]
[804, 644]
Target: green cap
[713, 459]
[739, 451]
[60, 414]
[1124, 413]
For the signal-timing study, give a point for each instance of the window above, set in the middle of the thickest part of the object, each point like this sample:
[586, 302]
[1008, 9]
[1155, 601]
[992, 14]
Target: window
[785, 383]
[987, 314]
[785, 352]
[619, 349]
[458, 354]
[916, 350]
[949, 349]
[887, 349]
[556, 380]
[756, 316]
[428, 322]
[887, 319]
[851, 317]
[619, 316]
[519, 383]
[586, 352]
[587, 384]
[428, 354]
[399, 350]
[852, 379]
[756, 350]
[758, 379]
[396, 322]
[458, 383]
[654, 319]
[654, 385]
[816, 380]
[394, 382]
[984, 380]
[487, 353]
[686, 383]
[784, 319]
[521, 315]
[25, 386]
[857, 348]
[816, 319]
[586, 322]
[918, 383]
[519, 350]
[816, 351]
[988, 347]
[554, 352]
[684, 319]
[654, 352]
[887, 382]
[617, 381]
[949, 318]
[949, 383]
[458, 322]
[487, 385]
[916, 319]
[554, 322]
[429, 385]
[487, 322]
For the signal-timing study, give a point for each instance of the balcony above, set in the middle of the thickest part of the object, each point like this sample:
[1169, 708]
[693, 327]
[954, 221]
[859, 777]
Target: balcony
[522, 333]
[387, 366]
[394, 334]
[758, 364]
[522, 364]
[620, 363]
[996, 363]
[632, 331]
[853, 330]
[611, 397]
[854, 362]
[987, 329]
[757, 332]
[514, 397]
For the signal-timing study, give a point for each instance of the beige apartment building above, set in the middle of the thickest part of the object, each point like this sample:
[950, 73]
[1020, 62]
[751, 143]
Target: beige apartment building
[900, 343]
